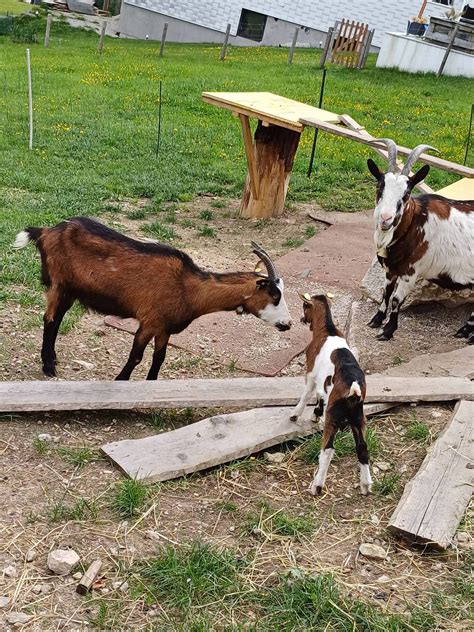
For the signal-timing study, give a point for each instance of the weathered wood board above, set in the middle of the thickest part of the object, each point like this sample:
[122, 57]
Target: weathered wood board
[434, 501]
[226, 392]
[209, 442]
[461, 190]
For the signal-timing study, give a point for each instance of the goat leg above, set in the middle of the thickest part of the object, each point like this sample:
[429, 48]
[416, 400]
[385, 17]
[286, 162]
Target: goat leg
[159, 354]
[142, 338]
[467, 330]
[305, 397]
[325, 456]
[404, 287]
[58, 305]
[358, 430]
[381, 313]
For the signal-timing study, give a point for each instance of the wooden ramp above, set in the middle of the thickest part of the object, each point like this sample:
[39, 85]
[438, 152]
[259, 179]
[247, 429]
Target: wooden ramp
[226, 392]
[209, 442]
[434, 501]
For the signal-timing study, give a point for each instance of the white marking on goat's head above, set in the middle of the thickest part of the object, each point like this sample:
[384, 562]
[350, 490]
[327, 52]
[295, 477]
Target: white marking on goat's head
[275, 310]
[393, 192]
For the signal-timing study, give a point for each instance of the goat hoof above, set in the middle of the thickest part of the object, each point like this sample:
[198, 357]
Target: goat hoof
[365, 489]
[376, 321]
[462, 333]
[294, 418]
[471, 340]
[49, 371]
[315, 490]
[384, 337]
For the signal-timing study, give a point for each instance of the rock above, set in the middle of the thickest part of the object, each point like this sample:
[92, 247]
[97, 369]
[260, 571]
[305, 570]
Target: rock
[372, 551]
[18, 618]
[45, 436]
[4, 601]
[10, 571]
[382, 465]
[424, 291]
[62, 561]
[383, 579]
[36, 589]
[31, 555]
[120, 585]
[462, 536]
[374, 519]
[45, 589]
[274, 457]
[77, 575]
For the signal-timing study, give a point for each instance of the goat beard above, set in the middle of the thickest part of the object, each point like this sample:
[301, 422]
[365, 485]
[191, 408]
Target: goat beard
[383, 238]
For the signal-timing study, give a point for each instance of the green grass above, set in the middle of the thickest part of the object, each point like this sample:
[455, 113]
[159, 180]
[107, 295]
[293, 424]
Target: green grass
[96, 121]
[82, 509]
[206, 231]
[386, 485]
[41, 446]
[272, 521]
[78, 456]
[156, 230]
[418, 431]
[129, 498]
[184, 578]
[13, 7]
[206, 215]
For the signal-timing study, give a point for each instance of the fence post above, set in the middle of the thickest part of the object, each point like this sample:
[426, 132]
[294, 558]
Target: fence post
[48, 29]
[327, 43]
[163, 39]
[448, 49]
[100, 48]
[224, 45]
[292, 48]
[30, 99]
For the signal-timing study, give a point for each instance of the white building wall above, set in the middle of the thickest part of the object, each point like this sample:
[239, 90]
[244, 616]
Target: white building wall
[383, 15]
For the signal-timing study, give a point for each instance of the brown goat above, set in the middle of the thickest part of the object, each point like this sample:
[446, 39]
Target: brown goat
[158, 285]
[334, 373]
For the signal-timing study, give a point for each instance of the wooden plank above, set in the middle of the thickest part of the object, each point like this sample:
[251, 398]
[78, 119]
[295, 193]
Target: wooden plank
[249, 152]
[207, 443]
[461, 190]
[211, 393]
[268, 107]
[434, 501]
[353, 125]
[433, 161]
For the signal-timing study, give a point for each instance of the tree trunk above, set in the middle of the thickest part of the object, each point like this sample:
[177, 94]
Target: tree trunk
[274, 150]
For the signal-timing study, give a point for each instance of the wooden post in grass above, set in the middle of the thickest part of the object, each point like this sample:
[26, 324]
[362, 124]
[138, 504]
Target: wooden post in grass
[448, 49]
[292, 48]
[163, 39]
[48, 30]
[30, 99]
[224, 45]
[102, 37]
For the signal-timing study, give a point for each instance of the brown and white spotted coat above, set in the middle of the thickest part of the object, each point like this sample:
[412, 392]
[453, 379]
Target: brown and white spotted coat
[426, 237]
[334, 375]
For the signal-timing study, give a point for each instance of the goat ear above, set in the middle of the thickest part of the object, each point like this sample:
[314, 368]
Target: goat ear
[261, 283]
[419, 176]
[374, 170]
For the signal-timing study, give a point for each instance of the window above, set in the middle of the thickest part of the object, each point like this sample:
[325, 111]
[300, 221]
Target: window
[446, 3]
[251, 25]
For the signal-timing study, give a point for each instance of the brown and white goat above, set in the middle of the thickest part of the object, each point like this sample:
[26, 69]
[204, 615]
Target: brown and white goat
[334, 374]
[158, 285]
[425, 237]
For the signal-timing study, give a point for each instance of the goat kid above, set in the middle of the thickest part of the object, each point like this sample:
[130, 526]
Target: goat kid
[425, 237]
[335, 375]
[156, 284]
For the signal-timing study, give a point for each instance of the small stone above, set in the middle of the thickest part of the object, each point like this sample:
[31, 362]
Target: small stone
[45, 436]
[232, 529]
[382, 465]
[383, 579]
[36, 589]
[119, 584]
[436, 414]
[274, 457]
[46, 589]
[372, 551]
[62, 561]
[374, 519]
[10, 571]
[77, 575]
[462, 536]
[31, 555]
[18, 618]
[4, 601]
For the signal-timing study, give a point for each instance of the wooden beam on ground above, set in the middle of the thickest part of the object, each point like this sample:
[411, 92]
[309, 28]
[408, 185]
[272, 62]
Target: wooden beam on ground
[209, 442]
[434, 501]
[338, 130]
[223, 392]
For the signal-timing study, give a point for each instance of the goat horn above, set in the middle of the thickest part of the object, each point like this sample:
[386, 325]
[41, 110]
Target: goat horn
[413, 157]
[265, 257]
[391, 150]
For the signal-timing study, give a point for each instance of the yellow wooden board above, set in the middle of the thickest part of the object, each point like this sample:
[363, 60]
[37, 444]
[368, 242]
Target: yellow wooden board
[461, 190]
[269, 107]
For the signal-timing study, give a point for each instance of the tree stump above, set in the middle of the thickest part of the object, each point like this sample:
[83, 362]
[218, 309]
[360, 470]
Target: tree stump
[274, 152]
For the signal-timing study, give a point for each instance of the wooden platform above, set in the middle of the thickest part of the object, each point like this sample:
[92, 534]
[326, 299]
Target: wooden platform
[207, 443]
[461, 190]
[434, 501]
[229, 392]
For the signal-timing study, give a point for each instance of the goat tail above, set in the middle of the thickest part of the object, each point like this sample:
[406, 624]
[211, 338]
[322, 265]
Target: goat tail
[23, 238]
[354, 396]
